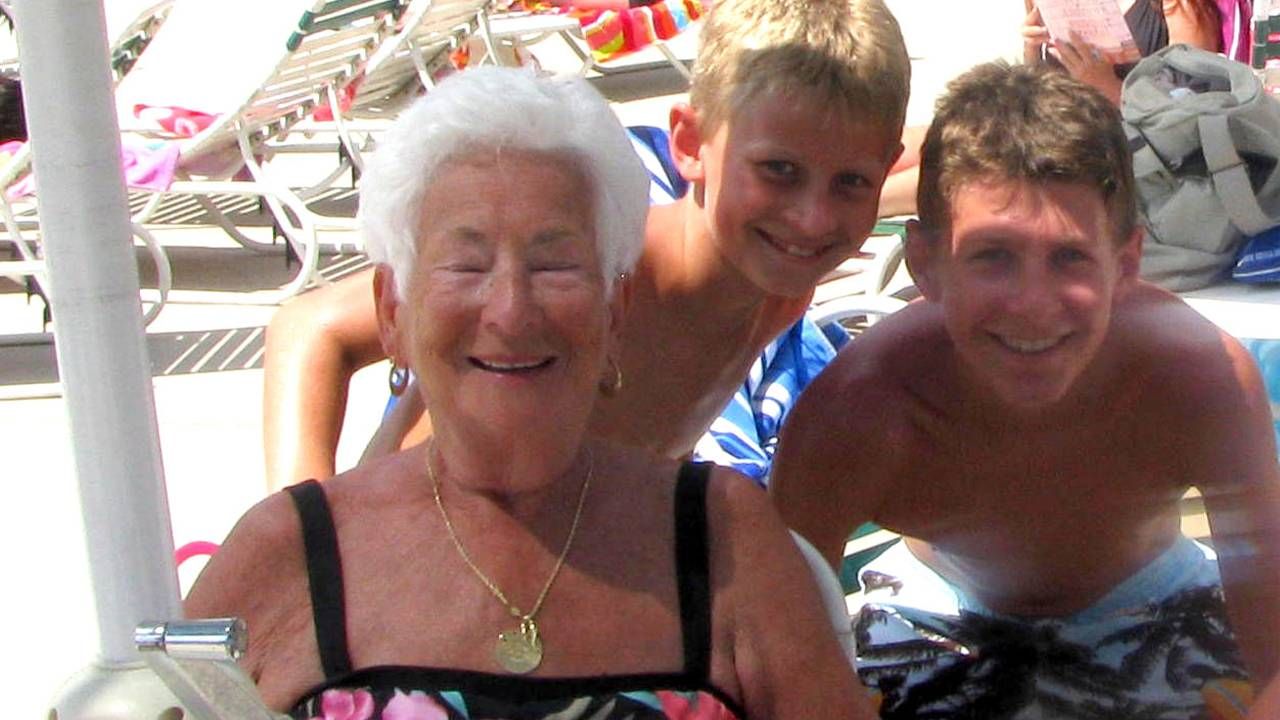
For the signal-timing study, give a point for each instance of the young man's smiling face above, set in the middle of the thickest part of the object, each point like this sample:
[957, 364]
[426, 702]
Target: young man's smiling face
[1027, 276]
[792, 188]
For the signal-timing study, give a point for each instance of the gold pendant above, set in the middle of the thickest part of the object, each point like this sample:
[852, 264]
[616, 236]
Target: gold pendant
[519, 651]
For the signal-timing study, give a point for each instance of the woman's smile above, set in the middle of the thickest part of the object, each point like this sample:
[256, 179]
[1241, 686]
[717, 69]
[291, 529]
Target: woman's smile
[511, 367]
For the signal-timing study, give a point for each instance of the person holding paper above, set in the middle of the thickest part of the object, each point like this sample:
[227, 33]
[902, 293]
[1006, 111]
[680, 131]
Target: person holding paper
[1154, 24]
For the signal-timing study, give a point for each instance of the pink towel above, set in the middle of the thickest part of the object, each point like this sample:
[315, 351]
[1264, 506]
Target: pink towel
[147, 166]
[179, 121]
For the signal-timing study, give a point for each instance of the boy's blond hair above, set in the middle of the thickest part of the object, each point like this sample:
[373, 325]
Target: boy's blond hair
[848, 53]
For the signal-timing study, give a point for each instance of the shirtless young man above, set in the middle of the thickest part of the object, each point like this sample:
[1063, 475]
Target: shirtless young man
[793, 121]
[1030, 427]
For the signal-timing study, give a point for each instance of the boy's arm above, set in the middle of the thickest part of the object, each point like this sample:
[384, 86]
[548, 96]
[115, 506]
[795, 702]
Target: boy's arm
[1239, 476]
[824, 471]
[314, 344]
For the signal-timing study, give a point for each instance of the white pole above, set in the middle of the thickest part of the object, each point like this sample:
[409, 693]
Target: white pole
[93, 282]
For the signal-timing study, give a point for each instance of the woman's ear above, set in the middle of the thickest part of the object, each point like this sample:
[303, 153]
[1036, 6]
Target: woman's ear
[686, 142]
[623, 288]
[922, 259]
[386, 302]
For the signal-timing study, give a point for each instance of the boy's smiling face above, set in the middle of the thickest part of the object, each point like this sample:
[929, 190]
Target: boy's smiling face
[791, 188]
[1027, 277]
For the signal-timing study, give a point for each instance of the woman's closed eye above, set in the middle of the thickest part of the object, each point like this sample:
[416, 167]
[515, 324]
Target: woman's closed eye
[465, 267]
[555, 266]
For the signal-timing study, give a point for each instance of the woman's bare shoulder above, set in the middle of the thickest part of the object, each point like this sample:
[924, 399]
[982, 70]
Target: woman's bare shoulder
[263, 549]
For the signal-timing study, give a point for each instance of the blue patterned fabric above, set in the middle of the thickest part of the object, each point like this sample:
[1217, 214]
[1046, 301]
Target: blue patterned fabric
[1267, 354]
[666, 184]
[1145, 649]
[745, 435]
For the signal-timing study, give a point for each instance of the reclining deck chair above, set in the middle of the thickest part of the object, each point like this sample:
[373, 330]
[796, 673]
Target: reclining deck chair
[406, 64]
[608, 34]
[130, 26]
[227, 80]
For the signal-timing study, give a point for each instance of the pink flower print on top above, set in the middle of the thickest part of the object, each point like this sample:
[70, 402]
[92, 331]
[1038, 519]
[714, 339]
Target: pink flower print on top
[692, 706]
[416, 705]
[345, 705]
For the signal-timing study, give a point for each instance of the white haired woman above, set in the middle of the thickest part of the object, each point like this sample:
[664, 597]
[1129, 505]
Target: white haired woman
[514, 566]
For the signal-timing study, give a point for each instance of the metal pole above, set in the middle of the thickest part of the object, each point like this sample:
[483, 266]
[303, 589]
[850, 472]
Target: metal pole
[93, 280]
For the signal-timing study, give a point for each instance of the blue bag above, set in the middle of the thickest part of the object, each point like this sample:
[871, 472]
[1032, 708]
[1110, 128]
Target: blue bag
[1259, 259]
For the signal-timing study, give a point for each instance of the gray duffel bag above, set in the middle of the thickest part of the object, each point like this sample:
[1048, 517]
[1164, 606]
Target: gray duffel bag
[1205, 139]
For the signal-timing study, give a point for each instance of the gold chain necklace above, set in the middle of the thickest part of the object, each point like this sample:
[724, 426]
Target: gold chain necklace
[519, 651]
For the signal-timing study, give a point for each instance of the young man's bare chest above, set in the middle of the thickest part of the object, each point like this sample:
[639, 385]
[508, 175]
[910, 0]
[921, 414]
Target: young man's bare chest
[1012, 514]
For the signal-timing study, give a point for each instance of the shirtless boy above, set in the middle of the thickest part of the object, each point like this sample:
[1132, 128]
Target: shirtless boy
[794, 117]
[1030, 427]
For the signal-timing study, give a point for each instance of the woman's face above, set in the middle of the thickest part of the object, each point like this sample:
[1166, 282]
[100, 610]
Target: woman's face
[505, 319]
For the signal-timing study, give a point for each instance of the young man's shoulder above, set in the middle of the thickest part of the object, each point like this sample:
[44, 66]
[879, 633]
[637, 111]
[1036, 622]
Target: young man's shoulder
[1171, 342]
[897, 350]
[882, 377]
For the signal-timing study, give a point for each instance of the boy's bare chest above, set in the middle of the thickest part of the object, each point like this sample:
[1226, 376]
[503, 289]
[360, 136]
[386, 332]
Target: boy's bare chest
[678, 380]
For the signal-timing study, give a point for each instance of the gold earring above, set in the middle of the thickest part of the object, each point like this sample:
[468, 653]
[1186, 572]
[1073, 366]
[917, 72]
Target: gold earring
[610, 388]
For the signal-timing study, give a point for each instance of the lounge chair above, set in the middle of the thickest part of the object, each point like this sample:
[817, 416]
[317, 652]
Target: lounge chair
[406, 64]
[606, 34]
[224, 82]
[130, 27]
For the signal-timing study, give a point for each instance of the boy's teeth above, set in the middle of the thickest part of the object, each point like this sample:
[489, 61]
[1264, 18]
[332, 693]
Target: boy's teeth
[1029, 346]
[794, 251]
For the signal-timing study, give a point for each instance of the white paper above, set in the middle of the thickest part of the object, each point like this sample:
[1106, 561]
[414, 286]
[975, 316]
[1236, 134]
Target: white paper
[1098, 22]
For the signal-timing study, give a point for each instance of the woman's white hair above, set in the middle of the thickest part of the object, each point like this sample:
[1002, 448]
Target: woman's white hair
[486, 108]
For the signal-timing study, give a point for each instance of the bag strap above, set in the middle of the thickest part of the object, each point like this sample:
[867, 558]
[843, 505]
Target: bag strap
[1146, 161]
[1230, 180]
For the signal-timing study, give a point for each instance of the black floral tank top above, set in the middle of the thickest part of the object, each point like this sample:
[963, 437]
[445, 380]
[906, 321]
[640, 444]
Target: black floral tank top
[423, 693]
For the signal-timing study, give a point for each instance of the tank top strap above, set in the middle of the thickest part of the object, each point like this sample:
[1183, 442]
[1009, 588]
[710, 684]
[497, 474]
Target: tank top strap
[692, 573]
[324, 573]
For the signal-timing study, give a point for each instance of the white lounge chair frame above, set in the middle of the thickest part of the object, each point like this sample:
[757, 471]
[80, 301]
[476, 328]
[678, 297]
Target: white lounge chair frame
[328, 49]
[403, 65]
[19, 216]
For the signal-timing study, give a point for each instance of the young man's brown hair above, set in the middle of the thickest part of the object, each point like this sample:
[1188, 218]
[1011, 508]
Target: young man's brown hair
[1022, 122]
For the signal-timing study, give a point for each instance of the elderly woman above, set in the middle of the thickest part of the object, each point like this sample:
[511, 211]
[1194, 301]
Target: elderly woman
[514, 566]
